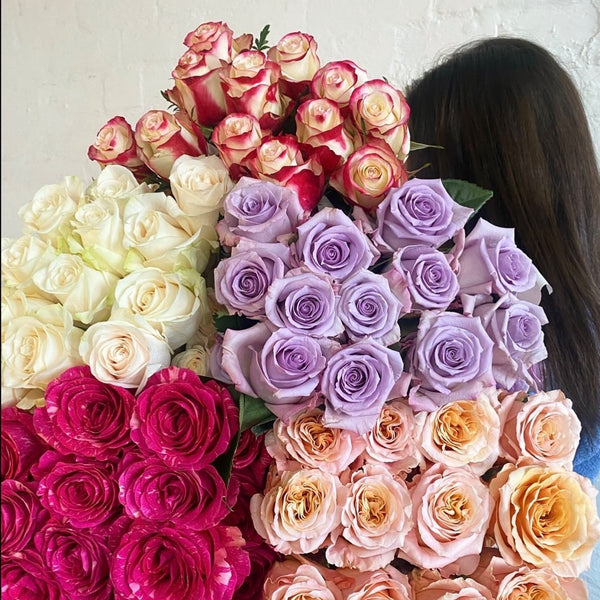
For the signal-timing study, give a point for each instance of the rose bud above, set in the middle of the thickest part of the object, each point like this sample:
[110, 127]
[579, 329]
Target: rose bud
[336, 81]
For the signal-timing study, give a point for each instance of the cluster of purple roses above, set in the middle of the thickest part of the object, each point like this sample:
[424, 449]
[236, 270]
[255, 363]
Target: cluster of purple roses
[110, 495]
[327, 295]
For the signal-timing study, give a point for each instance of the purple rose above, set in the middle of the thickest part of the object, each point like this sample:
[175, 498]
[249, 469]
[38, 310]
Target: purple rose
[79, 560]
[357, 382]
[368, 308]
[25, 577]
[491, 262]
[451, 360]
[305, 303]
[426, 275]
[331, 243]
[85, 416]
[179, 563]
[242, 281]
[516, 329]
[419, 212]
[280, 367]
[259, 210]
[153, 491]
[83, 494]
[21, 446]
[22, 515]
[183, 420]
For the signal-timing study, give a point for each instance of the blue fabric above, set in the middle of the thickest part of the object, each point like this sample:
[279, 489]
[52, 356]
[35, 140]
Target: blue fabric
[587, 458]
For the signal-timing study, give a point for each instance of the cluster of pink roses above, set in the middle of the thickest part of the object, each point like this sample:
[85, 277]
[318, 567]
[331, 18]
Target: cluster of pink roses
[110, 494]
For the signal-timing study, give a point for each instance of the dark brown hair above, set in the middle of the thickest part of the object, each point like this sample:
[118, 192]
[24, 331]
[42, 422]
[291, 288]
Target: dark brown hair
[510, 119]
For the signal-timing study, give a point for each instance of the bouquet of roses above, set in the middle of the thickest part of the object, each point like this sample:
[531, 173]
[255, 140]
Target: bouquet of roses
[353, 407]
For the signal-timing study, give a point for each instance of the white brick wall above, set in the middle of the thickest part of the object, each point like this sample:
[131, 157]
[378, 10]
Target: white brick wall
[70, 65]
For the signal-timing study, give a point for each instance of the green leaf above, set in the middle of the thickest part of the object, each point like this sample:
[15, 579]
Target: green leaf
[467, 194]
[253, 413]
[224, 463]
[224, 321]
[261, 43]
[419, 146]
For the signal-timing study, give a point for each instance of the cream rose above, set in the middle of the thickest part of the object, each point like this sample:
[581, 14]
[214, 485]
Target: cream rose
[37, 347]
[544, 429]
[118, 182]
[195, 358]
[307, 441]
[124, 351]
[21, 258]
[375, 520]
[83, 291]
[299, 511]
[199, 185]
[462, 433]
[545, 517]
[166, 301]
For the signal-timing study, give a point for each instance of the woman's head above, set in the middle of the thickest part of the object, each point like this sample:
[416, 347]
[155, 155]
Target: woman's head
[510, 119]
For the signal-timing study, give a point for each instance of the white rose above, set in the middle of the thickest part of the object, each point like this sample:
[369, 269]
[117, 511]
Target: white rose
[83, 291]
[157, 234]
[196, 358]
[22, 398]
[16, 303]
[165, 301]
[117, 182]
[21, 258]
[36, 348]
[125, 351]
[199, 185]
[51, 209]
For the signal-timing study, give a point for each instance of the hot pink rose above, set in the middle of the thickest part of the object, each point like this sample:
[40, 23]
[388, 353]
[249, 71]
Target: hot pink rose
[337, 80]
[26, 577]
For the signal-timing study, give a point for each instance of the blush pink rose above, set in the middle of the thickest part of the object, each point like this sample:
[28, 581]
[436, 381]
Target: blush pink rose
[542, 427]
[305, 440]
[534, 584]
[383, 584]
[460, 588]
[451, 511]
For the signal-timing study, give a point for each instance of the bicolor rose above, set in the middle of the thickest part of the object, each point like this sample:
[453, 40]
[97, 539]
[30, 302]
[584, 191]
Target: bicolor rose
[184, 421]
[542, 427]
[26, 577]
[545, 517]
[419, 211]
[337, 80]
[305, 303]
[376, 518]
[115, 145]
[357, 382]
[259, 210]
[299, 511]
[307, 441]
[235, 137]
[451, 360]
[84, 416]
[451, 508]
[213, 37]
[331, 243]
[368, 308]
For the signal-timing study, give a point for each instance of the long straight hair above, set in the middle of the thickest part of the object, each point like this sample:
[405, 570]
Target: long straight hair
[510, 119]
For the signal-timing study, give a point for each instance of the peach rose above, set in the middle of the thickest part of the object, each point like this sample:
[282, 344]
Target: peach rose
[299, 510]
[540, 584]
[383, 584]
[545, 517]
[375, 520]
[460, 588]
[305, 440]
[337, 80]
[462, 433]
[391, 441]
[544, 429]
[451, 510]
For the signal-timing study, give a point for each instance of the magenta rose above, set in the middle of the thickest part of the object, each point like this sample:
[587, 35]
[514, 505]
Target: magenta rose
[177, 563]
[79, 560]
[184, 421]
[85, 416]
[153, 491]
[22, 515]
[21, 446]
[25, 577]
[262, 558]
[83, 493]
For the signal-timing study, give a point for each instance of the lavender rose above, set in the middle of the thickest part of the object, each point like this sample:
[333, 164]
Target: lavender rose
[186, 422]
[368, 308]
[515, 326]
[426, 275]
[190, 499]
[305, 303]
[85, 416]
[358, 380]
[242, 281]
[176, 563]
[331, 243]
[79, 560]
[259, 210]
[451, 360]
[25, 577]
[419, 212]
